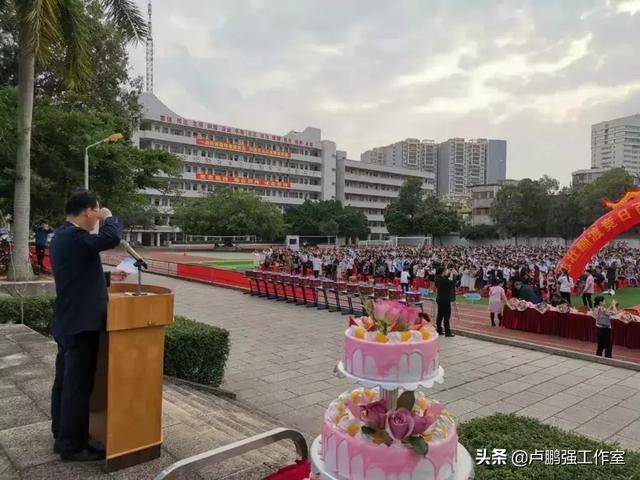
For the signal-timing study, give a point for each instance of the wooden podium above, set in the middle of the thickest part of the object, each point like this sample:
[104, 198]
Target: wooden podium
[126, 405]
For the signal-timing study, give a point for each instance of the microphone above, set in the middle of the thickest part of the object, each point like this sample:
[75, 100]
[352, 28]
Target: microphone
[138, 258]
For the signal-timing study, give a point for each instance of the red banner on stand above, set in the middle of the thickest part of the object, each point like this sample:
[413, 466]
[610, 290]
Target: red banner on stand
[605, 229]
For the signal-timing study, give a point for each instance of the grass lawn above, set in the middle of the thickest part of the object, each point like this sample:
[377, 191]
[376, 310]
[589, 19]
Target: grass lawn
[627, 297]
[513, 433]
[231, 264]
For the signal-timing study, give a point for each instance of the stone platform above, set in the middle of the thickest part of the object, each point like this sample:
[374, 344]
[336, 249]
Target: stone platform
[193, 422]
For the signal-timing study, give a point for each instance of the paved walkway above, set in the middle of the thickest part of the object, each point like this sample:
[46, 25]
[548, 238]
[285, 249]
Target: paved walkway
[193, 422]
[282, 360]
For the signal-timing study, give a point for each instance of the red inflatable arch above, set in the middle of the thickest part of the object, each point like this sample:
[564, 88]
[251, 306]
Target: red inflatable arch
[625, 215]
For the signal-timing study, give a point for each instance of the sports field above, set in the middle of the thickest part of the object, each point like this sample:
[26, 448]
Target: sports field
[626, 297]
[232, 264]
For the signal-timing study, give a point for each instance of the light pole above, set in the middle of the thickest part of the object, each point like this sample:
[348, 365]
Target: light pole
[114, 137]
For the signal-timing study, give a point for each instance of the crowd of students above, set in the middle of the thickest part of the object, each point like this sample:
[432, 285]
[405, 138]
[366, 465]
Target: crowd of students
[470, 268]
[525, 272]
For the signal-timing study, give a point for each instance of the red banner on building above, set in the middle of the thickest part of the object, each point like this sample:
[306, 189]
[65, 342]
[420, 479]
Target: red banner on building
[207, 177]
[242, 148]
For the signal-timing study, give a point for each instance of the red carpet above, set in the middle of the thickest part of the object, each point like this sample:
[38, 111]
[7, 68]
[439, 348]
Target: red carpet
[476, 319]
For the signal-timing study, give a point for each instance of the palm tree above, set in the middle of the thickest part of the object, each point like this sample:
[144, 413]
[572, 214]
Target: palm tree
[44, 27]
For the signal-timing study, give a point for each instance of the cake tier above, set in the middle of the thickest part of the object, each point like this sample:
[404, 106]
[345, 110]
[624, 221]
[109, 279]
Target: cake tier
[352, 458]
[350, 454]
[391, 362]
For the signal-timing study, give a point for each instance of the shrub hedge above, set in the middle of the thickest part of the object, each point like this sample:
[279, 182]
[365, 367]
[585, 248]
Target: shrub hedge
[38, 311]
[512, 433]
[193, 351]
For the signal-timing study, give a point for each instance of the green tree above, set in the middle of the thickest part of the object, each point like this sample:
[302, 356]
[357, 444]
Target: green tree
[610, 186]
[229, 212]
[522, 209]
[479, 232]
[328, 217]
[437, 218]
[403, 216]
[303, 219]
[567, 213]
[47, 28]
[353, 224]
[118, 171]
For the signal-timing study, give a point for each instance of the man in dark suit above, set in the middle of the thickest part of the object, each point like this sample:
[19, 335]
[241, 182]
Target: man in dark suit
[444, 297]
[80, 315]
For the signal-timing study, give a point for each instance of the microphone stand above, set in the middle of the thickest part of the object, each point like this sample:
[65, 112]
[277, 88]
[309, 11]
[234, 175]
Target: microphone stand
[140, 265]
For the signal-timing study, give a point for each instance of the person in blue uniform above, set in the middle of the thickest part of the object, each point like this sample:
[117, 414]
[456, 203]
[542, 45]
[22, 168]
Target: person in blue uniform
[79, 316]
[41, 238]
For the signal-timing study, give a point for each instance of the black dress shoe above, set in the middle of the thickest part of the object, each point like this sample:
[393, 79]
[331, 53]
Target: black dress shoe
[91, 447]
[85, 455]
[450, 335]
[94, 447]
[439, 332]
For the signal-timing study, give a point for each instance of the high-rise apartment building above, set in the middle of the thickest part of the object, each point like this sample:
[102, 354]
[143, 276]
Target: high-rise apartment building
[411, 153]
[462, 163]
[456, 163]
[616, 143]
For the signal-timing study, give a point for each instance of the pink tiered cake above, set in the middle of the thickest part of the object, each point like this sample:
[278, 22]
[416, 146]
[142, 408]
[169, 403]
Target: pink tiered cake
[404, 349]
[351, 454]
[374, 434]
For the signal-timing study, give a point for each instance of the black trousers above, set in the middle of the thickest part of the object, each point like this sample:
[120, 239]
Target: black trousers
[72, 387]
[405, 287]
[604, 342]
[586, 300]
[40, 250]
[444, 315]
[566, 296]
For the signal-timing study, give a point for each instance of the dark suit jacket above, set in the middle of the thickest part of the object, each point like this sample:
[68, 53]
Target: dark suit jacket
[446, 290]
[81, 285]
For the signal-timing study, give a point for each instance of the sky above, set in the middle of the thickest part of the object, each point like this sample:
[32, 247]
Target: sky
[368, 73]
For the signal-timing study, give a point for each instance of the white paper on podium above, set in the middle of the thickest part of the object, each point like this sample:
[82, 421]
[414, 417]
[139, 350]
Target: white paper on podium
[127, 265]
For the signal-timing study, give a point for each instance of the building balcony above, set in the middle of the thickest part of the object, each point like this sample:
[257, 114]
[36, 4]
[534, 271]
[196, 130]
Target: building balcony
[251, 166]
[482, 203]
[304, 187]
[367, 205]
[371, 192]
[376, 180]
[191, 141]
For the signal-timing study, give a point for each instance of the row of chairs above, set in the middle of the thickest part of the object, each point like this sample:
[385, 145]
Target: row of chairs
[322, 293]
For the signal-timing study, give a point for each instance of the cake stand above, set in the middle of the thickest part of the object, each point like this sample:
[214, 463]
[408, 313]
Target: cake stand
[437, 377]
[463, 470]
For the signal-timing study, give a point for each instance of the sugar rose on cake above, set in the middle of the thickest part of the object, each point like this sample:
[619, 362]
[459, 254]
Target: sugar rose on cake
[418, 432]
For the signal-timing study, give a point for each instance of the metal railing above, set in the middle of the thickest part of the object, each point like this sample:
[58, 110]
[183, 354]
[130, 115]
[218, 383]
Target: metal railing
[220, 454]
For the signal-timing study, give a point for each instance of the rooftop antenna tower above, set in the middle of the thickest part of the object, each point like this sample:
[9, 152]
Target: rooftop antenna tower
[149, 77]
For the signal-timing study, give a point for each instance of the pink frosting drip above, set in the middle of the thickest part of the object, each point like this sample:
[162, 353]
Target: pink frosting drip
[392, 461]
[388, 356]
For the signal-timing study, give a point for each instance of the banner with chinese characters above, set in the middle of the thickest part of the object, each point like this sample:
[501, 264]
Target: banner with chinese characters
[242, 181]
[605, 229]
[242, 148]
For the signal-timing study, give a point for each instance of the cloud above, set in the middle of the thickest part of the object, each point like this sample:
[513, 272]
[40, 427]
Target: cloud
[625, 6]
[369, 72]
